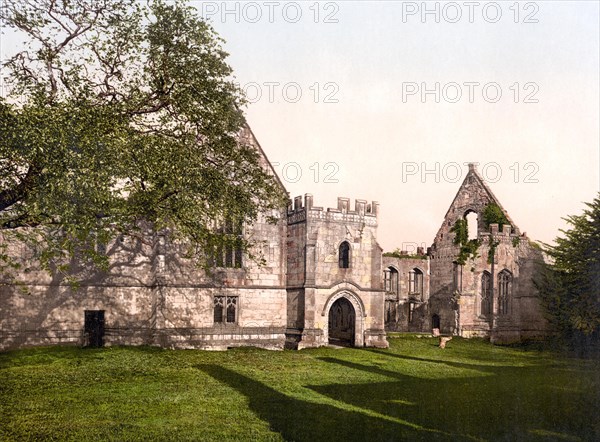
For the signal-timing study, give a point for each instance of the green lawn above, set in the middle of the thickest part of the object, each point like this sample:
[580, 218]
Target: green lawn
[413, 391]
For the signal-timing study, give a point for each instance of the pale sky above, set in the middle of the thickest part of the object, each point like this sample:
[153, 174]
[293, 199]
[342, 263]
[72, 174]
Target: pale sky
[361, 68]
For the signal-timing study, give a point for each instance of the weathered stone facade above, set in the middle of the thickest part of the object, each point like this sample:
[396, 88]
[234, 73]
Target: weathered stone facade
[406, 282]
[487, 296]
[324, 281]
[318, 279]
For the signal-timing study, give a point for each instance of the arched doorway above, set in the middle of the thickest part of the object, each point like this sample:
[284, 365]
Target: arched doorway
[342, 323]
[435, 321]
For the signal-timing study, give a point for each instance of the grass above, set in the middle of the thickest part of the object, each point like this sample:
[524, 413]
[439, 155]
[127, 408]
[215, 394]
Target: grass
[413, 391]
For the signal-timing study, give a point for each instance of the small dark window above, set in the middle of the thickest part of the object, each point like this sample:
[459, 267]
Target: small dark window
[344, 255]
[225, 309]
[435, 321]
[94, 327]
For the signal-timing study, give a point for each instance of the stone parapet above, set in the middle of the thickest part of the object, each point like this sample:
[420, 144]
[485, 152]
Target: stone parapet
[300, 210]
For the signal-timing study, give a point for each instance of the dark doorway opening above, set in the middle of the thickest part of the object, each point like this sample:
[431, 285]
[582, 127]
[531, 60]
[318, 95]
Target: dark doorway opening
[94, 328]
[435, 322]
[342, 323]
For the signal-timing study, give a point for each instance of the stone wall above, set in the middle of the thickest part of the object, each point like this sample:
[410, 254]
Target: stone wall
[151, 295]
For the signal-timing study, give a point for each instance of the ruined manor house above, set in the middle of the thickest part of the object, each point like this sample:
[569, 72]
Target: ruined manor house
[325, 280]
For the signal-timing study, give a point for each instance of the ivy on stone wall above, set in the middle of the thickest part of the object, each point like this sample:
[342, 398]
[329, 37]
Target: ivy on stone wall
[493, 244]
[468, 248]
[493, 214]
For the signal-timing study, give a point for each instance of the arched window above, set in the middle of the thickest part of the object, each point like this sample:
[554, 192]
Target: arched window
[504, 291]
[390, 280]
[344, 255]
[471, 218]
[486, 293]
[415, 282]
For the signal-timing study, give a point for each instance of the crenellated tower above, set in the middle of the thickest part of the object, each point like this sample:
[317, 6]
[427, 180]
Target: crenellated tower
[334, 274]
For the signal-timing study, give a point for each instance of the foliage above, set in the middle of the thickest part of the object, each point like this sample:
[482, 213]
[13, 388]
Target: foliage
[411, 391]
[492, 251]
[468, 248]
[570, 287]
[493, 214]
[122, 114]
[398, 254]
[516, 241]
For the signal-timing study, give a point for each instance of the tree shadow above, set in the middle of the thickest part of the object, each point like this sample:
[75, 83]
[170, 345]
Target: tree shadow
[300, 420]
[492, 403]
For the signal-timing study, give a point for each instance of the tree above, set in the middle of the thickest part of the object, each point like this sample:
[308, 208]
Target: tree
[570, 287]
[120, 114]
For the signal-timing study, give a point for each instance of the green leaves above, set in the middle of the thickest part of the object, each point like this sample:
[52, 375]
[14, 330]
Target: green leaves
[124, 113]
[570, 287]
[468, 248]
[493, 214]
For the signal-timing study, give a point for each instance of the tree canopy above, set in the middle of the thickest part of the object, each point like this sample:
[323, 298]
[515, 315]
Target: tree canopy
[570, 286]
[118, 112]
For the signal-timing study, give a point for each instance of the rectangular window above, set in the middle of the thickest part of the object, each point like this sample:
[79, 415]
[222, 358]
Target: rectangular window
[229, 251]
[415, 283]
[225, 309]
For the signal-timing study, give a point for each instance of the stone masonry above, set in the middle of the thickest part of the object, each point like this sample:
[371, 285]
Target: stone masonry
[324, 281]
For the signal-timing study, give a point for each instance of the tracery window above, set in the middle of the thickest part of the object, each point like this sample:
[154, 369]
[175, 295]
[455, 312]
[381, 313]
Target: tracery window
[225, 309]
[486, 293]
[504, 291]
[229, 252]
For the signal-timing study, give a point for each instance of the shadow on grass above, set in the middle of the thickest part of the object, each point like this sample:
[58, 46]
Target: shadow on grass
[301, 420]
[502, 403]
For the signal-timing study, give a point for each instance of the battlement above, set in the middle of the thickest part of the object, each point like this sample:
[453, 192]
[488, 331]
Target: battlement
[506, 234]
[298, 208]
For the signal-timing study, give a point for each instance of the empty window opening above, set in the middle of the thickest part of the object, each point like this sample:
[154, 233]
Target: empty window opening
[471, 218]
[415, 283]
[391, 280]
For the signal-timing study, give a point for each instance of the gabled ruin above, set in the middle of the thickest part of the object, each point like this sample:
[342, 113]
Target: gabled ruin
[482, 269]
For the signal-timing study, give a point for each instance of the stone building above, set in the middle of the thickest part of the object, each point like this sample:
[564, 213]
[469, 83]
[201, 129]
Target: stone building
[491, 293]
[324, 281]
[334, 275]
[406, 282]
